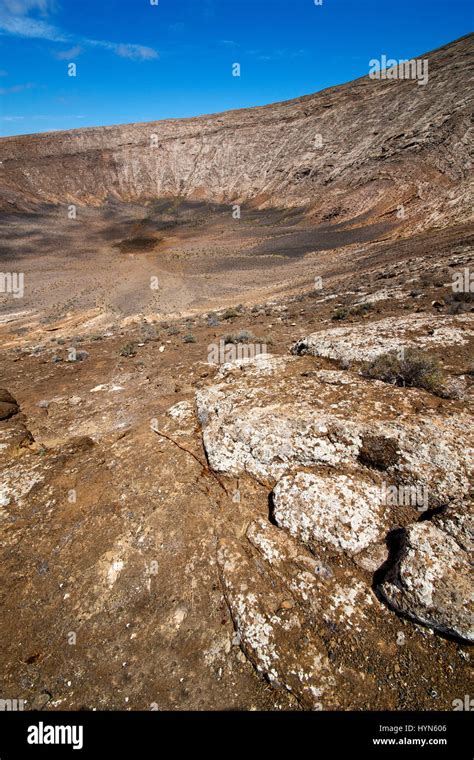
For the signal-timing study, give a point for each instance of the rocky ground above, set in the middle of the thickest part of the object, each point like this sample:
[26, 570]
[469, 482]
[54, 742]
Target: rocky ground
[182, 534]
[236, 406]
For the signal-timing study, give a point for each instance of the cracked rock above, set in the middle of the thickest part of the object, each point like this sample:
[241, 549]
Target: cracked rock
[341, 512]
[362, 342]
[432, 581]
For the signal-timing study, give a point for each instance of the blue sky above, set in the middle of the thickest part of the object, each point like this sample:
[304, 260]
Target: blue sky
[138, 62]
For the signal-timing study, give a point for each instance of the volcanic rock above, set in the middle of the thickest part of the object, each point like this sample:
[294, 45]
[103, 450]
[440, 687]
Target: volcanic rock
[344, 513]
[431, 581]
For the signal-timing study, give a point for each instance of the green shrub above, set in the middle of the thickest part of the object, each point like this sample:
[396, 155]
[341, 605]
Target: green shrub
[149, 334]
[230, 314]
[128, 349]
[189, 338]
[243, 336]
[341, 313]
[360, 309]
[457, 307]
[413, 370]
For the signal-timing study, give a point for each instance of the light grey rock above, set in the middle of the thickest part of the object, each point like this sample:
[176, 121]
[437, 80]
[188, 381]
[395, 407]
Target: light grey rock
[268, 420]
[366, 341]
[458, 522]
[289, 607]
[344, 513]
[431, 581]
[372, 558]
[332, 597]
[272, 635]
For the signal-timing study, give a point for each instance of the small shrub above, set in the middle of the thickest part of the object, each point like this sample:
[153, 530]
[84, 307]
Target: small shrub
[80, 356]
[360, 309]
[149, 333]
[128, 349]
[189, 338]
[230, 314]
[413, 370]
[459, 302]
[173, 330]
[244, 336]
[340, 314]
[457, 307]
[212, 320]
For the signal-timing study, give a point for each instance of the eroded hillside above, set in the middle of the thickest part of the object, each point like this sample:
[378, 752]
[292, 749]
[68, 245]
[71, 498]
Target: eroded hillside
[251, 486]
[357, 149]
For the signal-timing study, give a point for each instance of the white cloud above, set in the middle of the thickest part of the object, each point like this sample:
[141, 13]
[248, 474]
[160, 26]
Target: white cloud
[16, 22]
[20, 7]
[125, 50]
[65, 55]
[136, 52]
[16, 88]
[24, 26]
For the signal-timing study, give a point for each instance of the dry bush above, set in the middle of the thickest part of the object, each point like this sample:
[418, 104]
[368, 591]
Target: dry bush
[412, 370]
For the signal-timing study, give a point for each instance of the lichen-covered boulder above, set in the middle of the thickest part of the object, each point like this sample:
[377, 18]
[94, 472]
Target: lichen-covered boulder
[361, 342]
[431, 581]
[275, 416]
[342, 512]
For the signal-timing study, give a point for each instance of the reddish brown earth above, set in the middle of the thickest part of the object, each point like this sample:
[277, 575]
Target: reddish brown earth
[146, 563]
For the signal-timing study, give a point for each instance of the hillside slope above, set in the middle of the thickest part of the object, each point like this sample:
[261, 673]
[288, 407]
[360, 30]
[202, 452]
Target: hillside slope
[384, 143]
